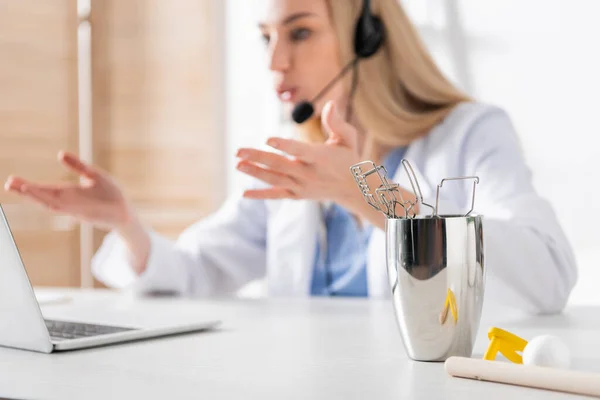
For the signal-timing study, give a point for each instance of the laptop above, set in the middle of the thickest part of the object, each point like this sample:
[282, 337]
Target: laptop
[23, 326]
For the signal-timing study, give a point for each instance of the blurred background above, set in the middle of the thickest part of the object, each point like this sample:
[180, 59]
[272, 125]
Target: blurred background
[162, 93]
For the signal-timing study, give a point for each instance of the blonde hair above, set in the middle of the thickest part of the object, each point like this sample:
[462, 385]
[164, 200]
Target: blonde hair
[401, 93]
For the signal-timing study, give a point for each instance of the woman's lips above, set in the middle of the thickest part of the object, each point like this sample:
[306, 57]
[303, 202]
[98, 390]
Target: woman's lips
[287, 95]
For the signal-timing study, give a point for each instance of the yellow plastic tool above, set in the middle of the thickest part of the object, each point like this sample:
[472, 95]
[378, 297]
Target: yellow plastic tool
[451, 305]
[506, 343]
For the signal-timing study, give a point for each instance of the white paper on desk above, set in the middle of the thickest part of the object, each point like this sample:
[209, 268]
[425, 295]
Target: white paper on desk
[51, 298]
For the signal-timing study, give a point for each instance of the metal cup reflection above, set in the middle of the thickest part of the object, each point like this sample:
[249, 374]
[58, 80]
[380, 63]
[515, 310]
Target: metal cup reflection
[436, 271]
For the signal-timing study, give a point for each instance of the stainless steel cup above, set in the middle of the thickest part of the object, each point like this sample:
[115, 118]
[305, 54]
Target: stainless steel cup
[436, 270]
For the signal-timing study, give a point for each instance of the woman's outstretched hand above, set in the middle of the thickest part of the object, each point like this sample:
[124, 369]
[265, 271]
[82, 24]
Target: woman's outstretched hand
[97, 199]
[319, 172]
[314, 171]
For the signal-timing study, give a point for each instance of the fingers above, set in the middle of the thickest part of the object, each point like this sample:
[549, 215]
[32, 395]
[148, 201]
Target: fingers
[339, 131]
[44, 196]
[274, 161]
[271, 177]
[307, 152]
[270, 194]
[18, 184]
[74, 163]
[14, 184]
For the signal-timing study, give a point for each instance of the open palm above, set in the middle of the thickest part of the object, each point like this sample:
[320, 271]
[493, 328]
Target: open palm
[97, 199]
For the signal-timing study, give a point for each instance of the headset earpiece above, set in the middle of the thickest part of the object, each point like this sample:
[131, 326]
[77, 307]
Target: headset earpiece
[369, 33]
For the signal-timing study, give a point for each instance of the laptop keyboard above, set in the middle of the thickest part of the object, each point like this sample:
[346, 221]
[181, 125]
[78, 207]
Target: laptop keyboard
[63, 330]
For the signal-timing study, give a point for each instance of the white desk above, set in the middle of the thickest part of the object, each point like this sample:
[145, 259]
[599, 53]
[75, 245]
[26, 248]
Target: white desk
[268, 349]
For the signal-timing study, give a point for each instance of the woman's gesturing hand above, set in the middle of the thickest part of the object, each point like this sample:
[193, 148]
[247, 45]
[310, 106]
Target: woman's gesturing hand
[318, 172]
[311, 171]
[97, 199]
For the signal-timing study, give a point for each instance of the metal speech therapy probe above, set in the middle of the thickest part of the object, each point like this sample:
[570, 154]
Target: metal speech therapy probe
[388, 195]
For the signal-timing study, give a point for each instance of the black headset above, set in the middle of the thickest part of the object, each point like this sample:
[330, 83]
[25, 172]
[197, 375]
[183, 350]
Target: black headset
[369, 32]
[369, 36]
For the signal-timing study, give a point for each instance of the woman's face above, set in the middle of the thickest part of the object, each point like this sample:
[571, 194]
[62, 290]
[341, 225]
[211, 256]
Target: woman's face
[302, 49]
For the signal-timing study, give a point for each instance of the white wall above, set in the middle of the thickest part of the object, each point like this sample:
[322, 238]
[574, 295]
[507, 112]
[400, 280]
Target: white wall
[539, 59]
[252, 107]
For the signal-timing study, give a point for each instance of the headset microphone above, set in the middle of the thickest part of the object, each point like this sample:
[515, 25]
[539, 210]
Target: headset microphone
[304, 110]
[368, 38]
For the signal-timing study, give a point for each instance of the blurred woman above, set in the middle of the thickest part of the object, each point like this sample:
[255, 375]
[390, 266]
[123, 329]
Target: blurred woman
[304, 225]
